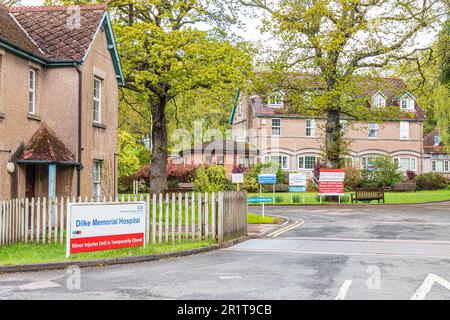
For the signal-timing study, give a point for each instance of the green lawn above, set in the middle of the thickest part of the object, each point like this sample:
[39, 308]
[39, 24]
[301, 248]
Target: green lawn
[258, 219]
[27, 253]
[390, 197]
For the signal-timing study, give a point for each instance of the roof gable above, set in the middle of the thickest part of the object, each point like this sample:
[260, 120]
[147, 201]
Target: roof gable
[63, 34]
[58, 34]
[13, 34]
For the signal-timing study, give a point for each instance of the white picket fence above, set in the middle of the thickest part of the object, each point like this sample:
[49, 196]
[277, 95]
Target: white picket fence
[170, 218]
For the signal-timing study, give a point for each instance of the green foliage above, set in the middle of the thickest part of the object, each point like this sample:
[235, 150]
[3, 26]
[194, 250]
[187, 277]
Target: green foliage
[353, 178]
[251, 178]
[430, 181]
[211, 179]
[386, 173]
[279, 199]
[296, 198]
[341, 43]
[128, 160]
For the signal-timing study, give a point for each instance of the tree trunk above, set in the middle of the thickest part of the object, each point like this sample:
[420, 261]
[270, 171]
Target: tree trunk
[158, 164]
[333, 141]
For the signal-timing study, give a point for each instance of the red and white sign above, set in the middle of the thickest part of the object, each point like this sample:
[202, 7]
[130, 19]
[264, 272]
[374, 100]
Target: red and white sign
[331, 182]
[105, 226]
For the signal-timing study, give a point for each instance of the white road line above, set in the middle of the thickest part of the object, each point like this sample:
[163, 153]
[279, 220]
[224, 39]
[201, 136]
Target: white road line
[427, 284]
[229, 277]
[343, 290]
[296, 224]
[38, 285]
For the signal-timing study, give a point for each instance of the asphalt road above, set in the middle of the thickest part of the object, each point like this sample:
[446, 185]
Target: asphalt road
[399, 252]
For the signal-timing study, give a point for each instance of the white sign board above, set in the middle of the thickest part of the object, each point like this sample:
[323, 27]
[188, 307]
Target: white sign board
[104, 226]
[297, 179]
[237, 178]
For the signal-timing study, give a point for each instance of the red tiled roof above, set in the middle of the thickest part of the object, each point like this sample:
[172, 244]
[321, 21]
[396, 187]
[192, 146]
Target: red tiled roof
[56, 29]
[393, 88]
[13, 34]
[45, 145]
[428, 143]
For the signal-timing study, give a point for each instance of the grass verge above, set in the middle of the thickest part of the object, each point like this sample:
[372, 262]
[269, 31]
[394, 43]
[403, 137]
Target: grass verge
[390, 197]
[258, 219]
[29, 253]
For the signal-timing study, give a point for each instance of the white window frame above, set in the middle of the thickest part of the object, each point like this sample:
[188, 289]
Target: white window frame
[404, 130]
[311, 126]
[276, 127]
[97, 184]
[379, 101]
[97, 100]
[32, 91]
[278, 158]
[409, 104]
[373, 126]
[437, 140]
[412, 163]
[302, 166]
[445, 165]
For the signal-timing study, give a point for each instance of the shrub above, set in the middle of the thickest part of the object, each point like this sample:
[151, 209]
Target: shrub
[311, 186]
[430, 181]
[279, 199]
[386, 173]
[237, 168]
[411, 175]
[353, 178]
[281, 187]
[211, 179]
[251, 178]
[296, 198]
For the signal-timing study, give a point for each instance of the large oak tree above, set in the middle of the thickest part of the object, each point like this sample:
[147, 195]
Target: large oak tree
[338, 40]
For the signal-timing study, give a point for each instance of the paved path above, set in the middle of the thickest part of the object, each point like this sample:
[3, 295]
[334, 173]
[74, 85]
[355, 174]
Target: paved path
[396, 252]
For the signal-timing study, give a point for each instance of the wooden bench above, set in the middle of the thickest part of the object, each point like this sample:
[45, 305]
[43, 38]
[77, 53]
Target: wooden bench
[185, 186]
[368, 194]
[405, 186]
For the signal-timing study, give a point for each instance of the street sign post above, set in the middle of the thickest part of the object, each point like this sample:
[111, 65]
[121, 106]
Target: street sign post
[267, 178]
[237, 178]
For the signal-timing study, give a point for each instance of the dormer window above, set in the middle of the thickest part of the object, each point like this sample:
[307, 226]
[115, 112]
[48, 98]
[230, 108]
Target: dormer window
[379, 100]
[407, 103]
[437, 140]
[275, 100]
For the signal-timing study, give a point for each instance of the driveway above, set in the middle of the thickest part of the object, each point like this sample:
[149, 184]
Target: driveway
[398, 252]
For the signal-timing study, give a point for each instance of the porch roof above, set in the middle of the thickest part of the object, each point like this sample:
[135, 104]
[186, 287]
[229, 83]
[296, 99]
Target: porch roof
[45, 147]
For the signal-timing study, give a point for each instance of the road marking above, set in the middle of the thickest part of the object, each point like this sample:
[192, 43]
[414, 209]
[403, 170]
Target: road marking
[427, 284]
[343, 290]
[415, 241]
[296, 224]
[229, 277]
[39, 285]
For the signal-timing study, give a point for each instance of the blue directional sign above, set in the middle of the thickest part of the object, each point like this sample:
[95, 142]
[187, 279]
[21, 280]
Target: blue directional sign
[297, 189]
[260, 199]
[267, 178]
